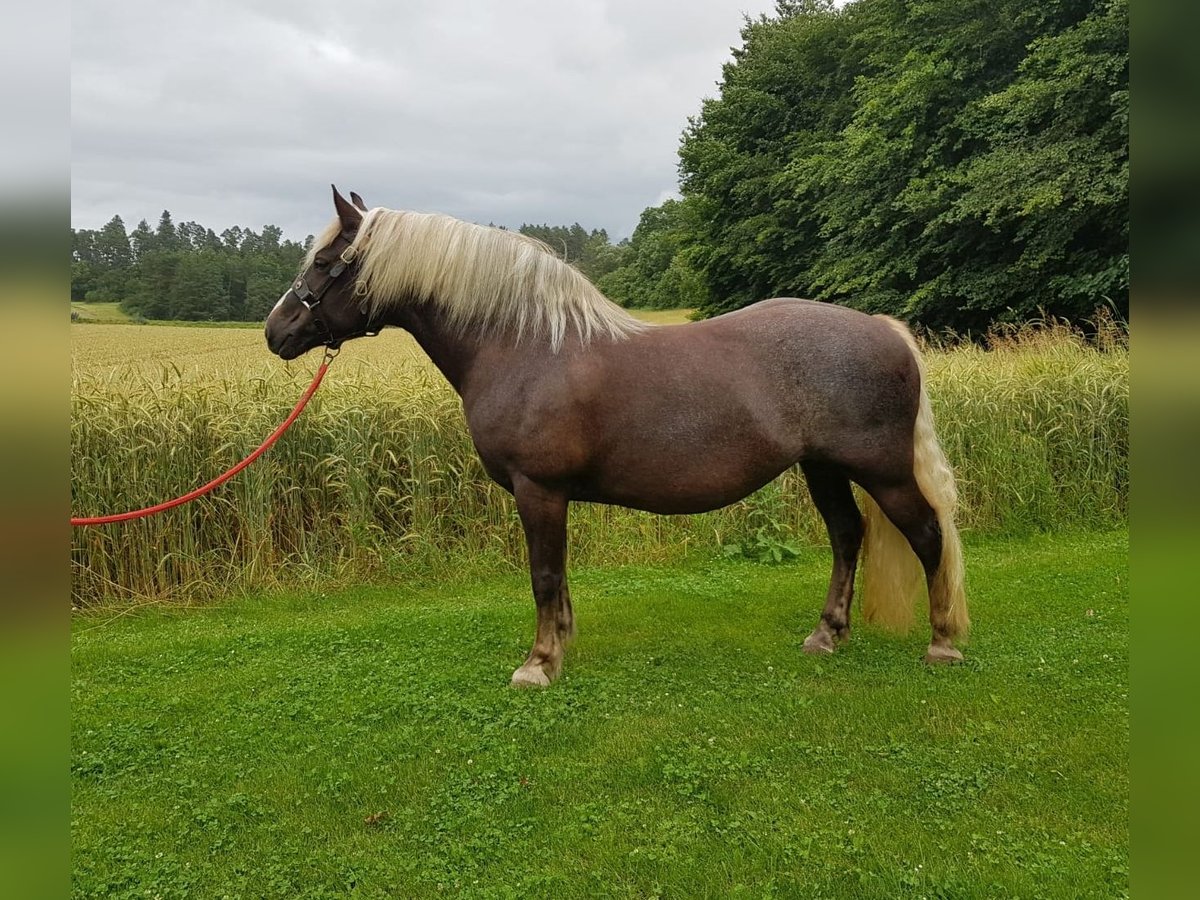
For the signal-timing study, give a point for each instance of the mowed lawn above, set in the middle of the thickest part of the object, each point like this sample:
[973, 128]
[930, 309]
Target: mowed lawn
[366, 743]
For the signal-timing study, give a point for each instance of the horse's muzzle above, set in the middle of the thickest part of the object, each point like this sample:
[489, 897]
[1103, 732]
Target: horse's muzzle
[280, 332]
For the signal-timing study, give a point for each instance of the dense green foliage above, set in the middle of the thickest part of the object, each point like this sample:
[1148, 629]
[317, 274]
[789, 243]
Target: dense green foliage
[590, 252]
[952, 162]
[654, 270]
[365, 743]
[184, 272]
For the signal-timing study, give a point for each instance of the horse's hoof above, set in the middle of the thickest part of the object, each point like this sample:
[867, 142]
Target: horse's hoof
[530, 676]
[940, 654]
[818, 643]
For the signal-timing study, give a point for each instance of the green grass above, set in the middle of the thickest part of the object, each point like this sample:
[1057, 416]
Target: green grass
[99, 313]
[366, 743]
[664, 316]
[88, 313]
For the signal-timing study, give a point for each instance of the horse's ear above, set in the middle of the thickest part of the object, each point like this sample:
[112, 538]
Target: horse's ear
[358, 201]
[349, 214]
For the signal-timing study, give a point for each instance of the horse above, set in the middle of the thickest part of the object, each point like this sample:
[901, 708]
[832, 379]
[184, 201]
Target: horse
[569, 398]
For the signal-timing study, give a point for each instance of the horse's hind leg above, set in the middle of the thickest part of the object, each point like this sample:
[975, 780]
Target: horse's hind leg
[830, 489]
[566, 616]
[906, 507]
[544, 518]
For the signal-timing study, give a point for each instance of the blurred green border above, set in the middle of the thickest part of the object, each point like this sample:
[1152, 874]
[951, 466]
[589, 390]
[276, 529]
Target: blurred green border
[1165, 416]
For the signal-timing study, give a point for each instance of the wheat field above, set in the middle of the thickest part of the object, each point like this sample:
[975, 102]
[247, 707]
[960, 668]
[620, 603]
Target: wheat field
[378, 478]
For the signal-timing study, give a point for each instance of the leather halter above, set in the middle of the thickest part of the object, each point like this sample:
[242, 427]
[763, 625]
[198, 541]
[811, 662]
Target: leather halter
[311, 296]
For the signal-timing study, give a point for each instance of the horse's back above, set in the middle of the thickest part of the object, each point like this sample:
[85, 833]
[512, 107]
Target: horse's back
[812, 321]
[680, 418]
[831, 355]
[754, 391]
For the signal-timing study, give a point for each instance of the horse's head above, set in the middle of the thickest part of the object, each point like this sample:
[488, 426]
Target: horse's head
[320, 308]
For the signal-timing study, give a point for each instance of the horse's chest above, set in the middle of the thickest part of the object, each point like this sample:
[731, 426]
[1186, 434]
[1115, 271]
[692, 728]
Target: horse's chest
[492, 452]
[543, 447]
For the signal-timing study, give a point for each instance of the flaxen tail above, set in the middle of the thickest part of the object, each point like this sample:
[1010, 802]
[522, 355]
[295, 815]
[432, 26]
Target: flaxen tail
[893, 579]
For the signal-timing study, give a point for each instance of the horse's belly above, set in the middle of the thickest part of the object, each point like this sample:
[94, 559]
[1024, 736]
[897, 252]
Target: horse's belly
[675, 483]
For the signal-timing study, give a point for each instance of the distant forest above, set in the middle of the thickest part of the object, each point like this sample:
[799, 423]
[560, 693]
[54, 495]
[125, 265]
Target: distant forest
[954, 163]
[189, 272]
[183, 271]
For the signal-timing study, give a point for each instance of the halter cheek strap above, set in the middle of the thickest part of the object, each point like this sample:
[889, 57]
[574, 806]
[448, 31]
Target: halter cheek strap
[311, 298]
[304, 291]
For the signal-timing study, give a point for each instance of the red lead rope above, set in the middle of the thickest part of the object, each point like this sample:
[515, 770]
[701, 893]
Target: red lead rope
[220, 479]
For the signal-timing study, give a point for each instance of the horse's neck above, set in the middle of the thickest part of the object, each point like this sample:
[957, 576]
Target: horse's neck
[453, 353]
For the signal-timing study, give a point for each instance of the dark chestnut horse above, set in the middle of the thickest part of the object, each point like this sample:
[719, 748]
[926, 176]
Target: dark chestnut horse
[568, 397]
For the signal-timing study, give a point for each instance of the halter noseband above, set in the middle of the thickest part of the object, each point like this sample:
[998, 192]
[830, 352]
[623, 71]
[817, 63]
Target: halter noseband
[311, 298]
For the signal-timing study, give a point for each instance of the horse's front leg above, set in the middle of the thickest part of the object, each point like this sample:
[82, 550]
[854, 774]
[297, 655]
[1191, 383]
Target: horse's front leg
[544, 516]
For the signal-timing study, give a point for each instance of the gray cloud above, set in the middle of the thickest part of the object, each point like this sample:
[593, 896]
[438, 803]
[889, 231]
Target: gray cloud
[509, 111]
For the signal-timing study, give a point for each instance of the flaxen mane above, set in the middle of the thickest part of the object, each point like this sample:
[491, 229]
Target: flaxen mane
[482, 278]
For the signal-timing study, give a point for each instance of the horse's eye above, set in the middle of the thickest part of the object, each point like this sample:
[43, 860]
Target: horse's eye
[320, 265]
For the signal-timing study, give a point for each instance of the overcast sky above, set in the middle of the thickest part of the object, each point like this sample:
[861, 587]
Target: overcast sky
[508, 111]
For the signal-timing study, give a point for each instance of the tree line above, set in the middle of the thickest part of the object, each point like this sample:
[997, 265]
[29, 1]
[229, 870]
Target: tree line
[952, 162]
[188, 272]
[183, 271]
